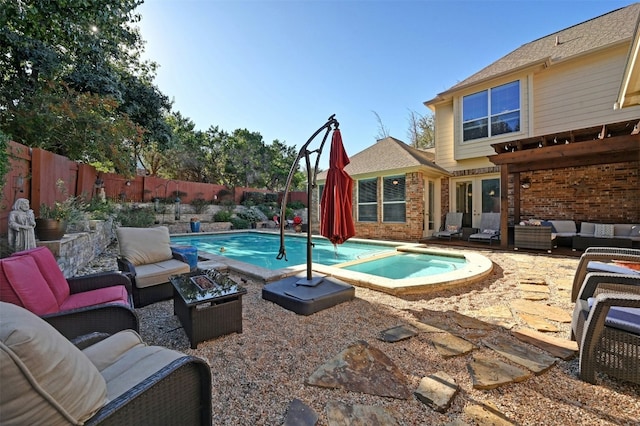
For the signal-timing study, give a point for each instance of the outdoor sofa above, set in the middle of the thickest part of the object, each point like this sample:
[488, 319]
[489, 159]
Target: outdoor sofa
[612, 235]
[101, 379]
[74, 306]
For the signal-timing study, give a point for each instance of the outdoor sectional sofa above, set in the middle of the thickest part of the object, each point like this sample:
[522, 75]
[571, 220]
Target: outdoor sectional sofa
[609, 235]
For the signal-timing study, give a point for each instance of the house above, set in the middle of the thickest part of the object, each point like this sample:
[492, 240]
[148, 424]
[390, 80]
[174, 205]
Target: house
[547, 131]
[394, 191]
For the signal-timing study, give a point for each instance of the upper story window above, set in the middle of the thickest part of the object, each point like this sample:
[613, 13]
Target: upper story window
[491, 112]
[368, 200]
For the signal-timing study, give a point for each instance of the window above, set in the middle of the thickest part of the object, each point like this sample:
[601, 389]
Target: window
[368, 200]
[491, 112]
[393, 200]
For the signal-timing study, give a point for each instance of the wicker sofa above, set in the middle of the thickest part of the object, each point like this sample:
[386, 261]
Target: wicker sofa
[116, 379]
[611, 235]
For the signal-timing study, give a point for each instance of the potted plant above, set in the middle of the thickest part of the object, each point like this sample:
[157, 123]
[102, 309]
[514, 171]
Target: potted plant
[195, 224]
[297, 224]
[51, 223]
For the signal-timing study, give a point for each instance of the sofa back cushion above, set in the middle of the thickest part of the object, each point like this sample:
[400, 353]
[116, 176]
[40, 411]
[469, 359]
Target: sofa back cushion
[142, 246]
[587, 228]
[45, 379]
[29, 285]
[564, 226]
[622, 229]
[50, 271]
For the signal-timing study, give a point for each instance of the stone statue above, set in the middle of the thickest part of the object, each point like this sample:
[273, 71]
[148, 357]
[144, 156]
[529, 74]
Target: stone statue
[21, 226]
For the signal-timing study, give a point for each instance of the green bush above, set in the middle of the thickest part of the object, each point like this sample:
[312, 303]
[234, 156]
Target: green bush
[222, 216]
[100, 210]
[135, 216]
[239, 223]
[199, 205]
[296, 205]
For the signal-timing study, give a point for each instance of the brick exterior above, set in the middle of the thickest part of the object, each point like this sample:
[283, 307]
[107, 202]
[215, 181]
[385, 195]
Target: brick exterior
[607, 193]
[410, 230]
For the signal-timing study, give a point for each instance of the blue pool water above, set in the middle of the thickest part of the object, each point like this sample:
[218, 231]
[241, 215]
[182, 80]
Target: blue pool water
[261, 249]
[409, 265]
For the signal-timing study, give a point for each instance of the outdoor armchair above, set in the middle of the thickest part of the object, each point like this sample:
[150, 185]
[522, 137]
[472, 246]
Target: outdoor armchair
[116, 379]
[489, 228]
[604, 255]
[606, 325]
[75, 306]
[147, 258]
[452, 226]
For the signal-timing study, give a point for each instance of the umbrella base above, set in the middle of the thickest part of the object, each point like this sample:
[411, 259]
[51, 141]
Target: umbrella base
[314, 281]
[305, 299]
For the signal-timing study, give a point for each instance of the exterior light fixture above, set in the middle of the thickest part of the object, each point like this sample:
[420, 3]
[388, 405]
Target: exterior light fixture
[177, 208]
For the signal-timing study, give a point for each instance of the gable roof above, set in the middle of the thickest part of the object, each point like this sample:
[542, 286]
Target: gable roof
[389, 154]
[606, 30]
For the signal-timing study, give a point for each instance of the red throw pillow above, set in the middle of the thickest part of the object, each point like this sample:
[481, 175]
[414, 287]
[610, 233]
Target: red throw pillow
[29, 284]
[50, 271]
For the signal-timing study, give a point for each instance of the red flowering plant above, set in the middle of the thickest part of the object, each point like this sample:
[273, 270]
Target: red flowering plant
[297, 220]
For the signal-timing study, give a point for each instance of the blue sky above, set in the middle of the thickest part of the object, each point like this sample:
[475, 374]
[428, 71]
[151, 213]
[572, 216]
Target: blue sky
[281, 68]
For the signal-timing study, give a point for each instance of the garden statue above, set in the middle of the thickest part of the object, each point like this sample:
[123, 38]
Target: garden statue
[21, 226]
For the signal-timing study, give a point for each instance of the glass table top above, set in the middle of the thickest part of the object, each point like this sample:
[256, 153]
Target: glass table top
[205, 285]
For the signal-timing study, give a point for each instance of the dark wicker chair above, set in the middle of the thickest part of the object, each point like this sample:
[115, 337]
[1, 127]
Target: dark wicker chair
[111, 380]
[608, 338]
[147, 257]
[600, 254]
[82, 316]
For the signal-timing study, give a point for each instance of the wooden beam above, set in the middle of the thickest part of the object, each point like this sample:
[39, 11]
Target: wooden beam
[559, 163]
[504, 206]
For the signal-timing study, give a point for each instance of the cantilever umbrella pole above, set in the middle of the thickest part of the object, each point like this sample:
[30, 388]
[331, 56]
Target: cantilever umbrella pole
[327, 127]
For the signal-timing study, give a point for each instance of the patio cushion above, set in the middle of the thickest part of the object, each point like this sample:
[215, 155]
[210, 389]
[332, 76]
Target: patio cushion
[29, 285]
[159, 273]
[595, 266]
[50, 271]
[587, 228]
[634, 231]
[116, 293]
[627, 319]
[142, 246]
[603, 230]
[45, 379]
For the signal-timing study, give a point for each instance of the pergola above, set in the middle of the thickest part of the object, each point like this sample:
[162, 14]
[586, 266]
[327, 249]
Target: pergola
[606, 144]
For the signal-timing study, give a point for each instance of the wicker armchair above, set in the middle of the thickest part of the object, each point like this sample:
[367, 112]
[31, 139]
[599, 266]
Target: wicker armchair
[607, 331]
[73, 306]
[600, 254]
[116, 380]
[147, 257]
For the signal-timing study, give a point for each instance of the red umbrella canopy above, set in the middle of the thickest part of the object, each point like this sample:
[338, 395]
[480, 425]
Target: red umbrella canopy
[336, 220]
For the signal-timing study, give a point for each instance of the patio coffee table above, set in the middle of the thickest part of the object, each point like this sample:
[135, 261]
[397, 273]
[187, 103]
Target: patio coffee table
[208, 304]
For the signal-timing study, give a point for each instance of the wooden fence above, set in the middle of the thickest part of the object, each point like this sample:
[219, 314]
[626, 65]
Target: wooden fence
[44, 177]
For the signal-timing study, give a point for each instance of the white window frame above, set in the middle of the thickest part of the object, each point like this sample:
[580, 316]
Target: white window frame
[394, 202]
[491, 114]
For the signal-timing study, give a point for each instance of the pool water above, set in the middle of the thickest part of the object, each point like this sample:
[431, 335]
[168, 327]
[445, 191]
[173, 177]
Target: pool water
[408, 265]
[261, 249]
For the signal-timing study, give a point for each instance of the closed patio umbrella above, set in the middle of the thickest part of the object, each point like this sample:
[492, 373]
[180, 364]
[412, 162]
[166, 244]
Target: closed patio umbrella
[336, 220]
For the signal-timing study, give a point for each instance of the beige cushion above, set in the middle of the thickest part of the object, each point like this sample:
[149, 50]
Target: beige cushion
[142, 246]
[45, 379]
[159, 273]
[124, 361]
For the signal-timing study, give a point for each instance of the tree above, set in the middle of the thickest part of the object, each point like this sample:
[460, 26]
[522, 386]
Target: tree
[78, 61]
[383, 132]
[421, 130]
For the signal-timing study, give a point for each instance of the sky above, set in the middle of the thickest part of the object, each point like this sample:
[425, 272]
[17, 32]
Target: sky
[281, 68]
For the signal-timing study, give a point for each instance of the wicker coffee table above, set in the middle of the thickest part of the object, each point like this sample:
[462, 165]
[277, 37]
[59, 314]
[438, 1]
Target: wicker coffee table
[208, 304]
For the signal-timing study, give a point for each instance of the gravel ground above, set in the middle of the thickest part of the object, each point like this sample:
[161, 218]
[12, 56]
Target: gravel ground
[257, 373]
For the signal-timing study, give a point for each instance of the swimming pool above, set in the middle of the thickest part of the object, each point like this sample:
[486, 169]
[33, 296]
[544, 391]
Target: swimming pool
[392, 267]
[261, 249]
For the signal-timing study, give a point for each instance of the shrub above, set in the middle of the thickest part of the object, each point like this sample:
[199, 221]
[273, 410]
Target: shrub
[135, 216]
[239, 223]
[199, 205]
[222, 216]
[296, 205]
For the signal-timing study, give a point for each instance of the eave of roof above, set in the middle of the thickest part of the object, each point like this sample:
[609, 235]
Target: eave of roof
[629, 94]
[389, 155]
[602, 32]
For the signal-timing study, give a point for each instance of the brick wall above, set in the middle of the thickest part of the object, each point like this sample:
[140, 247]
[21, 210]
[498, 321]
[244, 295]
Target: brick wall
[606, 193]
[412, 228]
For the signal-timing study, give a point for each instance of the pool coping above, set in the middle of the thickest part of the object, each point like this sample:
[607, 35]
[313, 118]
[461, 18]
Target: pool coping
[478, 267]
